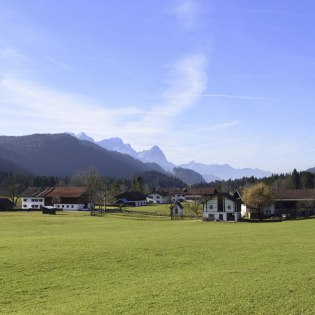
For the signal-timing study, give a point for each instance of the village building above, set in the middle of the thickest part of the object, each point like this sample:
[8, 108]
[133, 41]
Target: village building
[222, 207]
[65, 198]
[177, 194]
[286, 202]
[199, 194]
[6, 204]
[158, 197]
[131, 198]
[292, 202]
[177, 210]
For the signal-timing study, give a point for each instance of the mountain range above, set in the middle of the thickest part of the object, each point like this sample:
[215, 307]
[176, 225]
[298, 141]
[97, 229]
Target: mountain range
[208, 173]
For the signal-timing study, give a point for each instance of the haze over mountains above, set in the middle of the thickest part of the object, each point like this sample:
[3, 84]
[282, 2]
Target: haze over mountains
[209, 173]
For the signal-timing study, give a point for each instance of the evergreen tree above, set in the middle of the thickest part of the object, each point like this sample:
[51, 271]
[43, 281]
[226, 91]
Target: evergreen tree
[295, 179]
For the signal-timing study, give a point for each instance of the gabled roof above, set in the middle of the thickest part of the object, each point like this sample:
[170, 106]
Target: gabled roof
[160, 192]
[293, 194]
[176, 191]
[178, 203]
[226, 195]
[131, 196]
[205, 191]
[70, 192]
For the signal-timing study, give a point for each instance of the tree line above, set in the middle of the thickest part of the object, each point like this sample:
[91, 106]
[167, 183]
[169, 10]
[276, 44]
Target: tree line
[13, 184]
[294, 180]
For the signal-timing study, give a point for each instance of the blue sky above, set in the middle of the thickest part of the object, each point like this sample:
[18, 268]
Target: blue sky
[215, 81]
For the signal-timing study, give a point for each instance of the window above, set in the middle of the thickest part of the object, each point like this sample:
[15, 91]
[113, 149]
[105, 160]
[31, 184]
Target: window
[40, 200]
[24, 206]
[67, 206]
[229, 207]
[211, 207]
[24, 199]
[72, 206]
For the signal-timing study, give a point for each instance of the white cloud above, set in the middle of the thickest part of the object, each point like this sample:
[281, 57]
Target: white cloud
[32, 107]
[187, 12]
[187, 77]
[9, 53]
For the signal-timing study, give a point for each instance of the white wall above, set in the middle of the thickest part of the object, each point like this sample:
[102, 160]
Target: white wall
[32, 202]
[74, 207]
[156, 198]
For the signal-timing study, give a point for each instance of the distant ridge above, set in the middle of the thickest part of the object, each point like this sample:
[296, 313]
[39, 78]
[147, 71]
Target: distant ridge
[225, 171]
[209, 173]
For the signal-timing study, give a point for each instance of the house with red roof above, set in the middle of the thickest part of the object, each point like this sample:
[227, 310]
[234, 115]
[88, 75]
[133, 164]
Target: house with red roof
[65, 198]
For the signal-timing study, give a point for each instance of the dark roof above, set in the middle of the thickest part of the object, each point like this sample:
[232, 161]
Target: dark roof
[72, 192]
[32, 191]
[6, 204]
[175, 191]
[178, 204]
[204, 191]
[293, 194]
[228, 196]
[131, 196]
[160, 192]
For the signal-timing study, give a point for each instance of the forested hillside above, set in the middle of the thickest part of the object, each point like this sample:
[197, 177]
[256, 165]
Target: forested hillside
[64, 155]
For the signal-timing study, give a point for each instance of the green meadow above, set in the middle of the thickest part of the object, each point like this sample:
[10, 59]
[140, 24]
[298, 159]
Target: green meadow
[73, 263]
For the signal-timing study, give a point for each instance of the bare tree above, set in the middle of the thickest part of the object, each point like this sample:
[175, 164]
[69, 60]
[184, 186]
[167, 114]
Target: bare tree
[195, 207]
[94, 184]
[16, 183]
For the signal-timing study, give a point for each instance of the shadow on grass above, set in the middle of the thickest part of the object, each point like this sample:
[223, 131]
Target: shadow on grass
[276, 220]
[261, 221]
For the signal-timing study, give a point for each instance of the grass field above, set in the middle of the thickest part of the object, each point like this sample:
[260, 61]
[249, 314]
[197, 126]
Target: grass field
[73, 263]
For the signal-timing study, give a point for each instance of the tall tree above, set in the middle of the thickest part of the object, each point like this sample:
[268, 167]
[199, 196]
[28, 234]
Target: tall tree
[295, 179]
[258, 197]
[307, 180]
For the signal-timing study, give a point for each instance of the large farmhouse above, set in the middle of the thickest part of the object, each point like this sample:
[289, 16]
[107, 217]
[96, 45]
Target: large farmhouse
[292, 201]
[284, 202]
[66, 198]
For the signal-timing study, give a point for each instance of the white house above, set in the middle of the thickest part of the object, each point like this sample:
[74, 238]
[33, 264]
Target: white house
[158, 197]
[176, 194]
[222, 207]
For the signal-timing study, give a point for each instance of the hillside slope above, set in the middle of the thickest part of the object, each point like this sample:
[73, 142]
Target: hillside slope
[64, 155]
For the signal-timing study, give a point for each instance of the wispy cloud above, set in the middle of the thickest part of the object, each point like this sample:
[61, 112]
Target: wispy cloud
[10, 53]
[187, 77]
[37, 108]
[224, 96]
[275, 12]
[187, 11]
